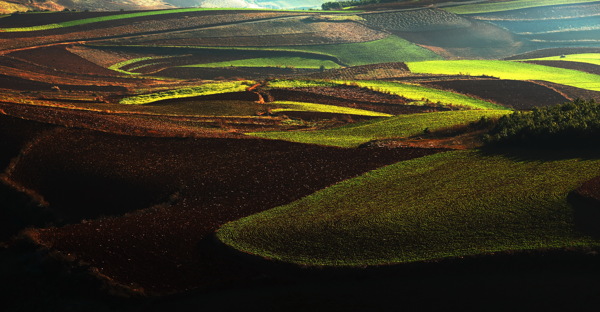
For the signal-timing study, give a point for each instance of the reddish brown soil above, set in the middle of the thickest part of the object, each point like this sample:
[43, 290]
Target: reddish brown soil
[202, 184]
[572, 92]
[34, 19]
[584, 67]
[511, 93]
[57, 58]
[374, 71]
[351, 97]
[591, 189]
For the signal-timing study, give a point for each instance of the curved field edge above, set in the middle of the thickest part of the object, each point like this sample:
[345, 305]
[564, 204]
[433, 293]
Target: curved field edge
[133, 15]
[381, 128]
[205, 89]
[389, 49]
[284, 106]
[509, 70]
[589, 58]
[451, 204]
[509, 6]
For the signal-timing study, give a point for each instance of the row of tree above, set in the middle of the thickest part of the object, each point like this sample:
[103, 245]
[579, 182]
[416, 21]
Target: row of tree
[572, 124]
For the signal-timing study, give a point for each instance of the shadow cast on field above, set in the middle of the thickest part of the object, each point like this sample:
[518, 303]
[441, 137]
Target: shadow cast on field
[541, 154]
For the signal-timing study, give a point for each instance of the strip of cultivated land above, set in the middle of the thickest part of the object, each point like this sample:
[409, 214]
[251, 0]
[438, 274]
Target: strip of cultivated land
[509, 70]
[447, 205]
[393, 127]
[509, 5]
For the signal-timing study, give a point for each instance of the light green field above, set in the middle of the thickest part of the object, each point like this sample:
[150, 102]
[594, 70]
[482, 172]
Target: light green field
[295, 62]
[509, 5]
[392, 127]
[300, 83]
[446, 205]
[590, 58]
[205, 89]
[131, 15]
[117, 67]
[425, 95]
[285, 106]
[509, 70]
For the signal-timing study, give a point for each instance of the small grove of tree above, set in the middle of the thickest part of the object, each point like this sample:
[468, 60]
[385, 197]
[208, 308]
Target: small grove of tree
[572, 124]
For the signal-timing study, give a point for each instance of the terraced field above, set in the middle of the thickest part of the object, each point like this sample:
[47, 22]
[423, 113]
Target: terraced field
[393, 127]
[510, 70]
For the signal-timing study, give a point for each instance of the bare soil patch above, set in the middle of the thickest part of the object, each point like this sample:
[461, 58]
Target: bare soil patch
[516, 94]
[586, 204]
[34, 19]
[201, 184]
[584, 67]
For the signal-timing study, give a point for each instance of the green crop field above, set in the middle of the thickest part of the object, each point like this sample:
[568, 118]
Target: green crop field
[446, 205]
[509, 5]
[509, 70]
[284, 106]
[392, 127]
[295, 62]
[205, 89]
[590, 58]
[423, 95]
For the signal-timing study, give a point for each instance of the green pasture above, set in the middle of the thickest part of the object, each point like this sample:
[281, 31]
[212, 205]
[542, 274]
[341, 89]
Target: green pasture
[508, 5]
[136, 14]
[590, 58]
[117, 67]
[451, 204]
[300, 83]
[509, 70]
[205, 89]
[382, 128]
[291, 62]
[284, 106]
[424, 95]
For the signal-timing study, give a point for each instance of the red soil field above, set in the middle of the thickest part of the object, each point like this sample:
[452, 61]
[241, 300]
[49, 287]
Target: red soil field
[34, 19]
[572, 92]
[586, 204]
[232, 72]
[57, 58]
[374, 71]
[584, 67]
[198, 185]
[511, 93]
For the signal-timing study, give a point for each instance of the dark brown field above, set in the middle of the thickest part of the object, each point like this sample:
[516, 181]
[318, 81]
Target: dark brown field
[510, 93]
[584, 67]
[149, 203]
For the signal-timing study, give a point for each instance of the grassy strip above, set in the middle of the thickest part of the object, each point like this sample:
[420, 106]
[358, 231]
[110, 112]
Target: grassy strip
[205, 89]
[424, 95]
[510, 70]
[323, 108]
[117, 67]
[300, 83]
[393, 127]
[509, 5]
[133, 15]
[446, 205]
[295, 62]
[590, 58]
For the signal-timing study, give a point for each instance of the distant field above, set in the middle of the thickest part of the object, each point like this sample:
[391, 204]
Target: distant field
[590, 58]
[452, 204]
[126, 16]
[509, 5]
[205, 89]
[510, 70]
[393, 127]
[426, 95]
[296, 62]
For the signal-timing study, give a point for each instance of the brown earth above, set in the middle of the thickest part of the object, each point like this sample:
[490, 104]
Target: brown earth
[572, 92]
[354, 97]
[194, 186]
[374, 71]
[511, 93]
[34, 19]
[584, 67]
